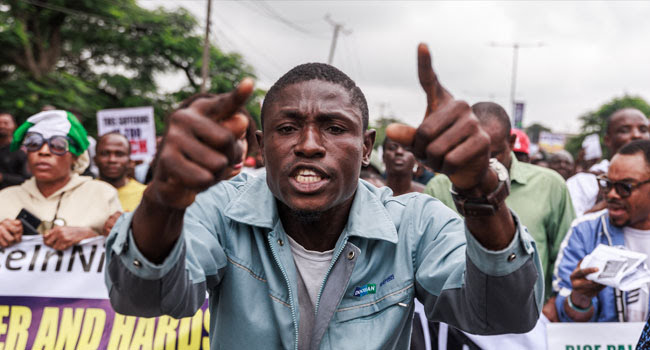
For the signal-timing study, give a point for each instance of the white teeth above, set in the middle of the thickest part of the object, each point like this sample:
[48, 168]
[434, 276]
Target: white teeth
[307, 176]
[307, 172]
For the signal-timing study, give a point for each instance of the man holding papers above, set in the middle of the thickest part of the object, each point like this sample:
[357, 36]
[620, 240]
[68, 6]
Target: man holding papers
[625, 223]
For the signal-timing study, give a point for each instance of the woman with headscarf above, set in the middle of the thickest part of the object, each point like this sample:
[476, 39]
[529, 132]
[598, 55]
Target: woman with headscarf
[70, 207]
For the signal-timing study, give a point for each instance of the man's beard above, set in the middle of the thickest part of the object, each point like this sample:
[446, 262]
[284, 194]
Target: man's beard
[306, 216]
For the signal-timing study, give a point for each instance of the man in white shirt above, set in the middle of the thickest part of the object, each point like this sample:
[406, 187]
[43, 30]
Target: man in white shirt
[623, 126]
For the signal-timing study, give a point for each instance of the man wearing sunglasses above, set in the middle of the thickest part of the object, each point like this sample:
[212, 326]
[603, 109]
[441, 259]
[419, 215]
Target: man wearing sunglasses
[625, 222]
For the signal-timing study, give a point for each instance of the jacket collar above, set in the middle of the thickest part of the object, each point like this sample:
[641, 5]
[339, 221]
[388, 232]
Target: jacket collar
[255, 205]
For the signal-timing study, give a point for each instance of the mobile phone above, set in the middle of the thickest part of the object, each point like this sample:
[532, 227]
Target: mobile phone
[30, 222]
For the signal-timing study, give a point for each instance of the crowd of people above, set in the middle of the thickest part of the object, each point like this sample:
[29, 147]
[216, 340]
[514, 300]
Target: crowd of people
[486, 236]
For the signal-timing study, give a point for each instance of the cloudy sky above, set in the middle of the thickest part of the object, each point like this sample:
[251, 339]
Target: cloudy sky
[591, 53]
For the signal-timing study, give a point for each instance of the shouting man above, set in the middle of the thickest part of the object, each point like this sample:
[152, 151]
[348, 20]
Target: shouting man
[309, 257]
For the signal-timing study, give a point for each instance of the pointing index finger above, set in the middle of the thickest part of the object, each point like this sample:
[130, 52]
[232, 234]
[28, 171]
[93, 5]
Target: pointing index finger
[224, 106]
[437, 95]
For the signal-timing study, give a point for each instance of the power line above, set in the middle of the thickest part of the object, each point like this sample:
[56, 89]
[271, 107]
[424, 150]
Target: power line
[69, 11]
[267, 11]
[86, 15]
[258, 52]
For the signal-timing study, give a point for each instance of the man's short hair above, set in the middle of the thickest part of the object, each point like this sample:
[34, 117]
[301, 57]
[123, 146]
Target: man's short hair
[13, 119]
[115, 132]
[637, 146]
[319, 71]
[608, 126]
[490, 111]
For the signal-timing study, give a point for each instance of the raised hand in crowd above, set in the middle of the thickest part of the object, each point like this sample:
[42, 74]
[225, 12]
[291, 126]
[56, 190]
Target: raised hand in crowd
[198, 151]
[451, 141]
[64, 237]
[11, 232]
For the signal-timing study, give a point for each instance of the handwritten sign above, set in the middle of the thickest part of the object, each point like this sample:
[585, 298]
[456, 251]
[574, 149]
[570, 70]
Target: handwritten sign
[137, 124]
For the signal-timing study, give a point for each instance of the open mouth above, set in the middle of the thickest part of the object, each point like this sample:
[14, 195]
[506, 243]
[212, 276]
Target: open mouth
[307, 176]
[308, 179]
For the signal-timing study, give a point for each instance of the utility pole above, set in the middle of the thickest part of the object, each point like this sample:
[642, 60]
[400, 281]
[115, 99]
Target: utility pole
[206, 49]
[338, 27]
[515, 57]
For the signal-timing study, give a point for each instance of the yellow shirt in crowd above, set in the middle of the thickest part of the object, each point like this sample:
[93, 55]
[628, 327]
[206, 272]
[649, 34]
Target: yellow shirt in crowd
[131, 194]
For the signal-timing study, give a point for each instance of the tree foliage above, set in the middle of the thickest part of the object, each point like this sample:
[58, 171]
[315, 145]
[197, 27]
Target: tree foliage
[534, 130]
[596, 121]
[87, 55]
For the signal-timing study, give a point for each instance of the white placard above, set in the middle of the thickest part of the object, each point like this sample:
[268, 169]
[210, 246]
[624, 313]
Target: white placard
[591, 145]
[36, 270]
[137, 124]
[593, 335]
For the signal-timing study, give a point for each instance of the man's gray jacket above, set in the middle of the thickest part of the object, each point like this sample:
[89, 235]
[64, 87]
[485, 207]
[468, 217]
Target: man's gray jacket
[393, 249]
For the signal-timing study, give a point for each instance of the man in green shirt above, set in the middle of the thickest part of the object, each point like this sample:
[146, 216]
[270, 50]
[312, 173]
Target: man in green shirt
[538, 195]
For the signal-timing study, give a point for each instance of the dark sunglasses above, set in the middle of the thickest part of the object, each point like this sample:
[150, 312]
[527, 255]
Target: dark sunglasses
[623, 189]
[58, 144]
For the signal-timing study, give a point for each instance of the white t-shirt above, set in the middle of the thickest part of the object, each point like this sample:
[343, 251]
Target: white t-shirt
[637, 300]
[312, 267]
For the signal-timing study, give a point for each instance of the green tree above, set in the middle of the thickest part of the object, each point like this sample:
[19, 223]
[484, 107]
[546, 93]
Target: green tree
[596, 121]
[534, 130]
[86, 55]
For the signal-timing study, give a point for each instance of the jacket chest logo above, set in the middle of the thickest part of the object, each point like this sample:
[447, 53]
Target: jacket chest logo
[370, 288]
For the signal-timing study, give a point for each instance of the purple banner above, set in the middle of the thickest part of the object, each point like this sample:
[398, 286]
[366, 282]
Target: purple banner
[67, 323]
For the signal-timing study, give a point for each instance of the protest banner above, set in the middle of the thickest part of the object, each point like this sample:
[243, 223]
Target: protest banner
[57, 300]
[137, 124]
[593, 335]
[551, 142]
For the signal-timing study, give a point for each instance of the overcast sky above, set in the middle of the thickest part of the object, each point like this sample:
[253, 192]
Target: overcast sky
[593, 51]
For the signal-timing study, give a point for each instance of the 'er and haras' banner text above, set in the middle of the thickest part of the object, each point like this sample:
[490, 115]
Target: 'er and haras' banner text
[53, 300]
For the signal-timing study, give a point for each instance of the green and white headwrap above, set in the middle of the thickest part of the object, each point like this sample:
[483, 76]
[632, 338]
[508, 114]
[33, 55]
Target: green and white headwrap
[52, 123]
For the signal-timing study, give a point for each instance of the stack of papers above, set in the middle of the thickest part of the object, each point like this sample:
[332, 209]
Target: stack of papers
[618, 267]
